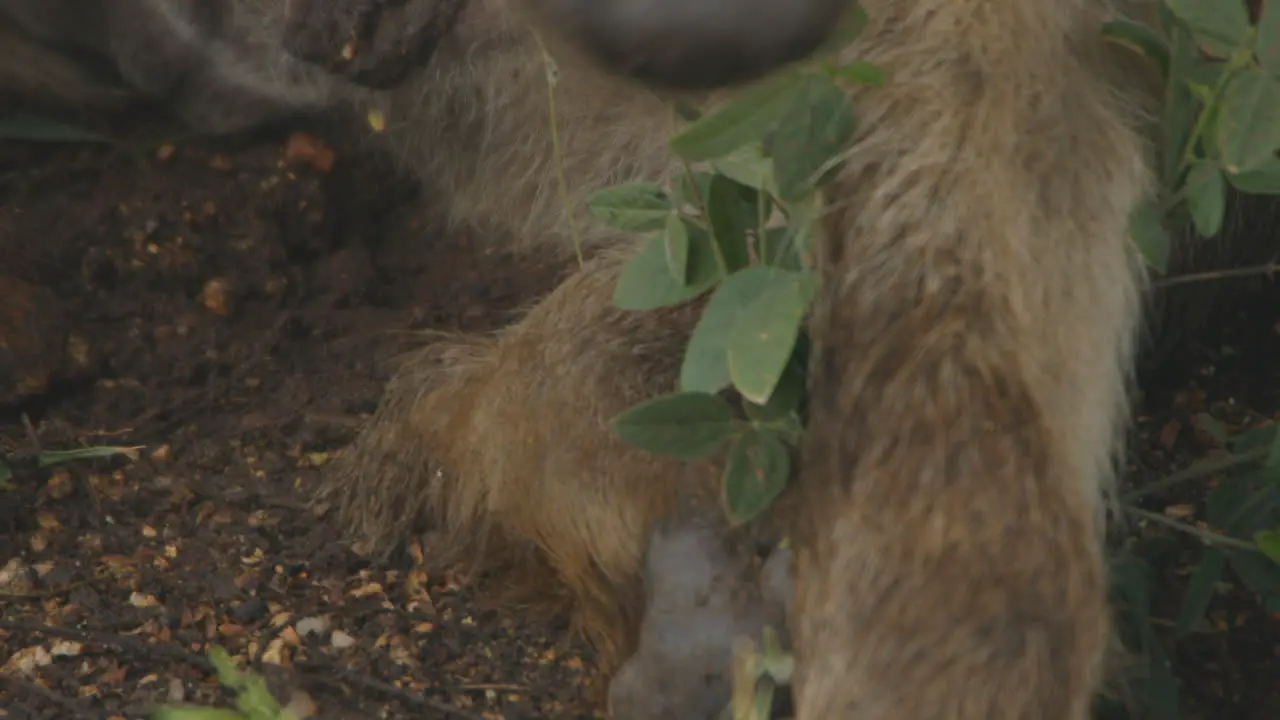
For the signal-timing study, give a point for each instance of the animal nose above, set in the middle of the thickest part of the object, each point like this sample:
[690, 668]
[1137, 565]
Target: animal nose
[695, 44]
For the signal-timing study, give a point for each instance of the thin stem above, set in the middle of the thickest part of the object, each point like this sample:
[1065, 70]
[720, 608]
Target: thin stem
[1264, 269]
[1196, 471]
[552, 73]
[1207, 536]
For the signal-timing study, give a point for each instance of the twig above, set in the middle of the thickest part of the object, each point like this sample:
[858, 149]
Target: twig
[1207, 536]
[1196, 471]
[1265, 269]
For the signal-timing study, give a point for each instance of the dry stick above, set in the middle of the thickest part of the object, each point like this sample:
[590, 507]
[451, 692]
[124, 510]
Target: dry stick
[1207, 536]
[1264, 269]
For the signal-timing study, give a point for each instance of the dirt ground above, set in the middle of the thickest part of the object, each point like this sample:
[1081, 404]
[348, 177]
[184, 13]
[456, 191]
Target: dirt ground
[234, 314]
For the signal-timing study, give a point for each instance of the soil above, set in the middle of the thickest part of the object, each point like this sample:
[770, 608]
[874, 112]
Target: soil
[240, 314]
[233, 312]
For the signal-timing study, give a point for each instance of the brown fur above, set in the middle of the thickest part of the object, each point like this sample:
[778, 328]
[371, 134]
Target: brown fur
[420, 460]
[973, 341]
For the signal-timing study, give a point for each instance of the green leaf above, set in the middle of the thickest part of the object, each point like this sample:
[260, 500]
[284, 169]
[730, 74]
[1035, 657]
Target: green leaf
[787, 395]
[780, 248]
[1249, 126]
[756, 473]
[1207, 199]
[685, 191]
[675, 243]
[1160, 696]
[1242, 504]
[804, 227]
[747, 165]
[685, 425]
[1147, 233]
[1268, 542]
[706, 358]
[762, 339]
[638, 207]
[646, 282]
[57, 457]
[1227, 503]
[1200, 590]
[1222, 26]
[1262, 180]
[1254, 438]
[1273, 456]
[747, 118]
[1141, 38]
[225, 667]
[1267, 45]
[861, 72]
[733, 211]
[1258, 572]
[1131, 586]
[27, 127]
[1181, 109]
[1206, 150]
[817, 127]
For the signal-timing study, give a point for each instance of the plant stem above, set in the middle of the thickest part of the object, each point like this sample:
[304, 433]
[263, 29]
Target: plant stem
[1264, 269]
[1195, 472]
[1208, 537]
[553, 73]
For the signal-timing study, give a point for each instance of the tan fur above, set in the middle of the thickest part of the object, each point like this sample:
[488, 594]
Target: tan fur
[974, 337]
[421, 457]
[477, 125]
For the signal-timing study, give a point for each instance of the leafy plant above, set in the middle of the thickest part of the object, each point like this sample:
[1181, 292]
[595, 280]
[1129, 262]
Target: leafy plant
[253, 700]
[1220, 124]
[48, 458]
[740, 225]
